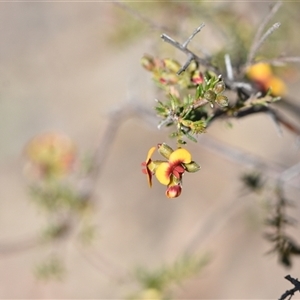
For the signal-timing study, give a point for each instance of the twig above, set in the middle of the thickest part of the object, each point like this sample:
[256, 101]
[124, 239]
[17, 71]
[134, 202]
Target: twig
[197, 30]
[279, 61]
[228, 65]
[210, 225]
[257, 39]
[19, 246]
[290, 173]
[261, 42]
[191, 55]
[291, 292]
[116, 118]
[106, 267]
[142, 18]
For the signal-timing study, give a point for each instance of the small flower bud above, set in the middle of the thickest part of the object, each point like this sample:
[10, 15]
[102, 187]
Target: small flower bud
[165, 150]
[197, 77]
[219, 87]
[192, 167]
[173, 191]
[210, 95]
[222, 100]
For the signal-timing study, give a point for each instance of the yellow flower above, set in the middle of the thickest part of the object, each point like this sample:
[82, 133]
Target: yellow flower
[261, 73]
[276, 85]
[51, 154]
[169, 172]
[175, 166]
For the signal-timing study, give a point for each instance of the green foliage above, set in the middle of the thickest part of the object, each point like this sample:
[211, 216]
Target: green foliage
[54, 196]
[51, 268]
[284, 245]
[162, 279]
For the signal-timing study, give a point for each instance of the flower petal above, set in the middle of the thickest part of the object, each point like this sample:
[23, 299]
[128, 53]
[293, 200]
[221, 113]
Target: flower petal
[177, 171]
[181, 156]
[149, 177]
[150, 152]
[163, 173]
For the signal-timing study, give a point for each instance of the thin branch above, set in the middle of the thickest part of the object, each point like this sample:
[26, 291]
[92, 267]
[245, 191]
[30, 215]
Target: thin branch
[115, 119]
[106, 267]
[7, 248]
[191, 55]
[257, 39]
[281, 60]
[211, 224]
[290, 293]
[290, 173]
[142, 18]
[197, 30]
[228, 65]
[261, 41]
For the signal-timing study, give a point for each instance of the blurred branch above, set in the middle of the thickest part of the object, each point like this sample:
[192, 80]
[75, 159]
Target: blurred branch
[281, 60]
[259, 38]
[212, 222]
[289, 173]
[105, 266]
[20, 245]
[115, 119]
[141, 17]
[60, 231]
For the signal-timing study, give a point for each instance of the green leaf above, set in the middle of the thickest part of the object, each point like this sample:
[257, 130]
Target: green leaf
[190, 137]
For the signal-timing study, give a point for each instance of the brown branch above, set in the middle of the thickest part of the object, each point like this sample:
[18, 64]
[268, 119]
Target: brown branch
[291, 292]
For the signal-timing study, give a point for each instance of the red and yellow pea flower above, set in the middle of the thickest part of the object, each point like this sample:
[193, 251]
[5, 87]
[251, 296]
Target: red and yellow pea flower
[50, 155]
[169, 172]
[262, 74]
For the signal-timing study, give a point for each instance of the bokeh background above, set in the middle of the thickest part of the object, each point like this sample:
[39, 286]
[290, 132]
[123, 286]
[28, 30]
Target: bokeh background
[69, 67]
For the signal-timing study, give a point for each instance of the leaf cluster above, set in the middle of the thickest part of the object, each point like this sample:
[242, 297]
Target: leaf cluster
[162, 279]
[283, 244]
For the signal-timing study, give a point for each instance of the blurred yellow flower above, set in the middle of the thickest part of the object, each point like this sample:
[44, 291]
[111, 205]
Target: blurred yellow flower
[262, 74]
[51, 155]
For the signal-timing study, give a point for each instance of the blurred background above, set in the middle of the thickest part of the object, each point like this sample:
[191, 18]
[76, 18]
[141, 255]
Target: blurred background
[74, 69]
